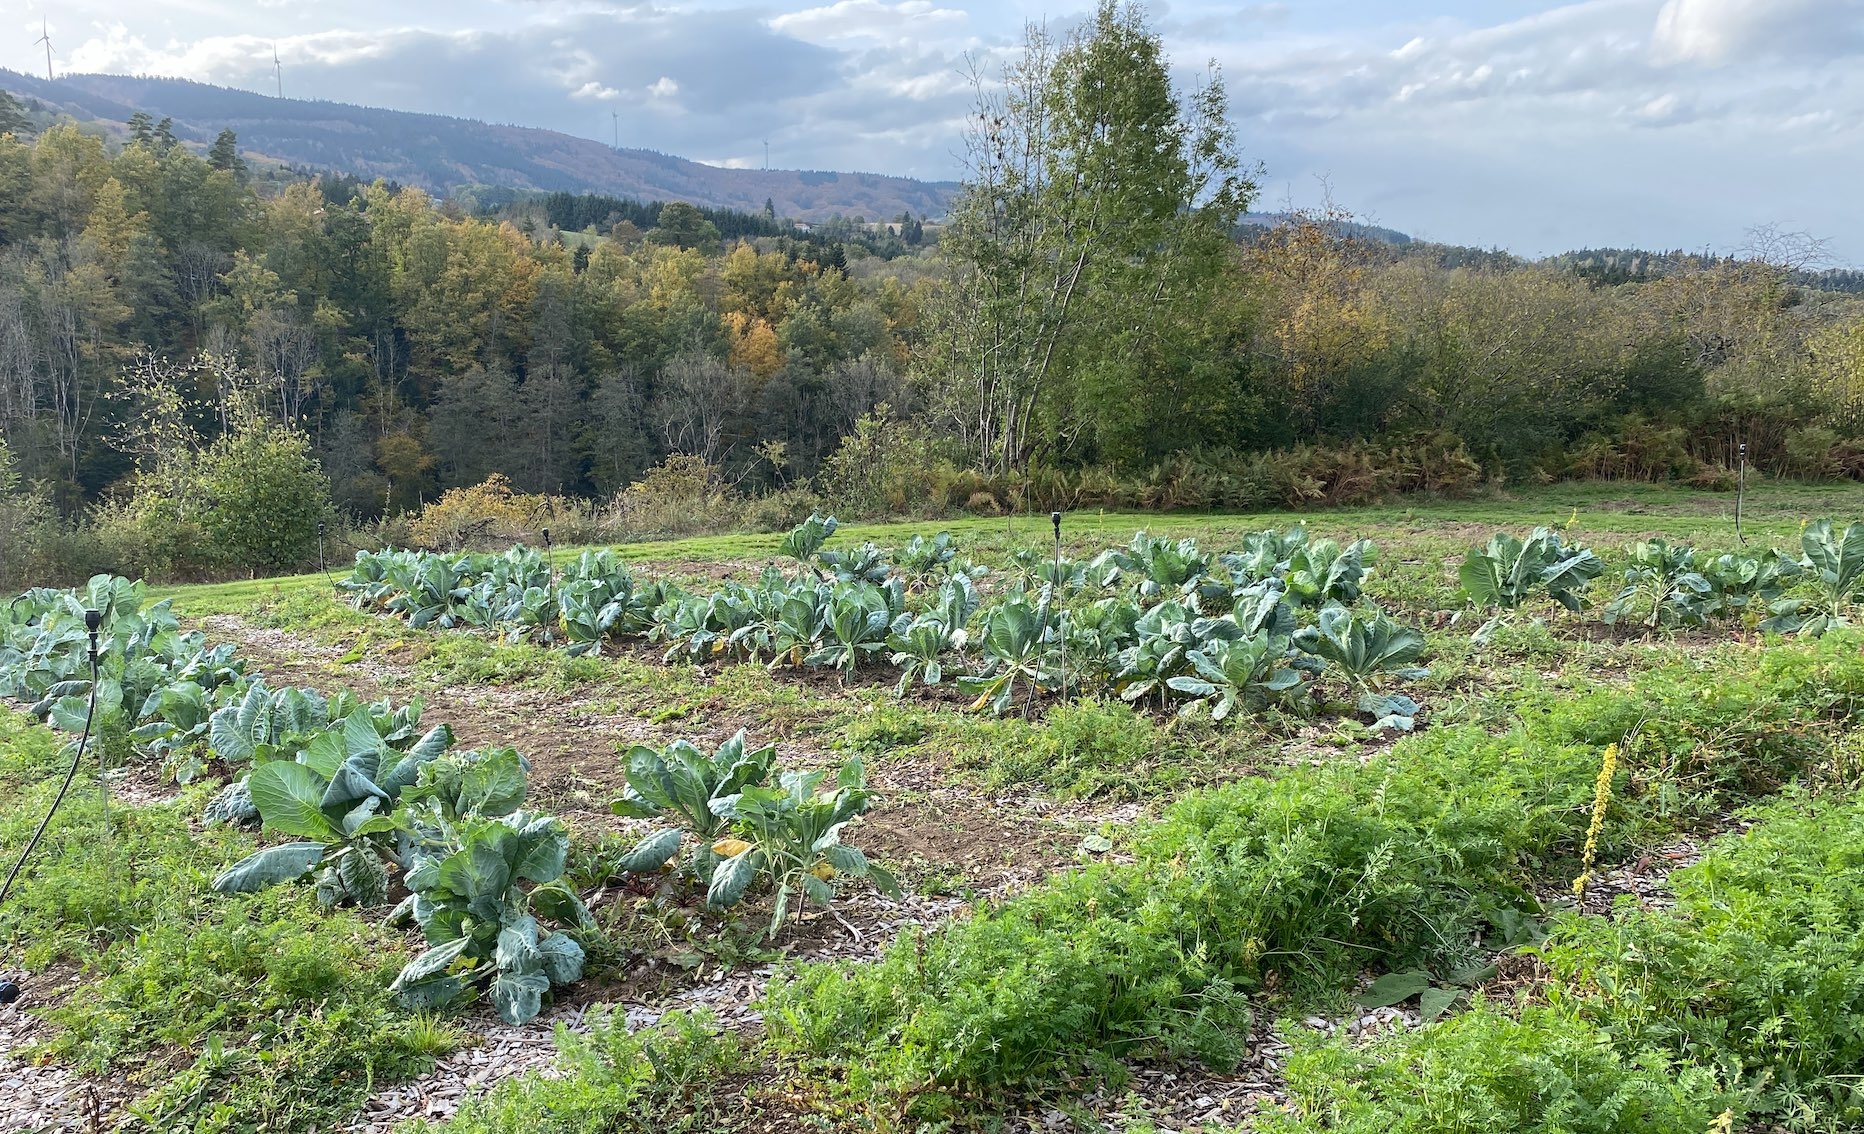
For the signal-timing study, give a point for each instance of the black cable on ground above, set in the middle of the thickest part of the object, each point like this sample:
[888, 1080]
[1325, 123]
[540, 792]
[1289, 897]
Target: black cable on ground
[9, 990]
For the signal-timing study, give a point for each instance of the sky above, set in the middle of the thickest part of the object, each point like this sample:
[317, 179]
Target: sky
[1531, 126]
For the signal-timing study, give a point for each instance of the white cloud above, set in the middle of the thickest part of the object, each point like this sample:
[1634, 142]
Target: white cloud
[873, 22]
[1724, 31]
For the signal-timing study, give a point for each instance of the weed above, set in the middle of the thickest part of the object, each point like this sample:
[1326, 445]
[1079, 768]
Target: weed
[1545, 1072]
[681, 1076]
[1758, 969]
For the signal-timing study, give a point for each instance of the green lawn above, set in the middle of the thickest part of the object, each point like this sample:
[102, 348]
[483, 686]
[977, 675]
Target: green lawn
[1603, 512]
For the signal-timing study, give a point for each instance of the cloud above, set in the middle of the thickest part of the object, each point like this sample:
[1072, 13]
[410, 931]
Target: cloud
[1723, 31]
[872, 22]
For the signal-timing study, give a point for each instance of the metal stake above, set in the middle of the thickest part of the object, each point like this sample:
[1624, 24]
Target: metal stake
[1740, 491]
[1055, 592]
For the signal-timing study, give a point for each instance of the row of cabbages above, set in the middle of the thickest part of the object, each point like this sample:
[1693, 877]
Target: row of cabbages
[1279, 622]
[361, 787]
[372, 800]
[1668, 586]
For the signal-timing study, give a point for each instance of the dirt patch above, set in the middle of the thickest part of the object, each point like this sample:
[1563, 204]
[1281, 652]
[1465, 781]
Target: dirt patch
[50, 1097]
[571, 740]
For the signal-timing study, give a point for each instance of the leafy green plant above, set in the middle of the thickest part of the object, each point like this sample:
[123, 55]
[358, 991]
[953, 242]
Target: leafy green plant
[1251, 672]
[596, 609]
[1151, 567]
[1013, 640]
[799, 625]
[923, 562]
[857, 618]
[146, 665]
[807, 538]
[1745, 580]
[468, 895]
[1664, 581]
[865, 564]
[1322, 571]
[1166, 635]
[1265, 555]
[1834, 563]
[1509, 571]
[339, 800]
[920, 643]
[792, 833]
[684, 783]
[1093, 637]
[1366, 651]
[258, 725]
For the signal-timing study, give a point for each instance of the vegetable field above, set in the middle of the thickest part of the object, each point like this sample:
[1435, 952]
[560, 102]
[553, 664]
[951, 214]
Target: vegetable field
[1538, 815]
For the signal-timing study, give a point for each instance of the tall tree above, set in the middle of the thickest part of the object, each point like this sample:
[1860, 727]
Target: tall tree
[225, 154]
[1097, 213]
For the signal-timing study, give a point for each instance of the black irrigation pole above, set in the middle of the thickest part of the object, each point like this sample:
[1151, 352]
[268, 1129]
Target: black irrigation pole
[1740, 490]
[1055, 598]
[323, 563]
[93, 620]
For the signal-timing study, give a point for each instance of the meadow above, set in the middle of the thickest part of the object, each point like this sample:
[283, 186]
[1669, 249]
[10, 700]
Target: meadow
[767, 833]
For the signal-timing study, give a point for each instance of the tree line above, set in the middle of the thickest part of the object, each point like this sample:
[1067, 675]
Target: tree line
[1093, 302]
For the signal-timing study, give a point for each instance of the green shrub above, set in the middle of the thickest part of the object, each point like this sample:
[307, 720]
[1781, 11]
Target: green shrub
[25, 516]
[266, 495]
[680, 496]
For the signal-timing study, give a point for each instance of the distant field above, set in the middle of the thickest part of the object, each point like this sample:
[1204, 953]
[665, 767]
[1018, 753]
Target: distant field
[1609, 511]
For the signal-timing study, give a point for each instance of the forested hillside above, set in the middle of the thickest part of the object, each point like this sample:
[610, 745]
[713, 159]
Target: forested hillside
[441, 154]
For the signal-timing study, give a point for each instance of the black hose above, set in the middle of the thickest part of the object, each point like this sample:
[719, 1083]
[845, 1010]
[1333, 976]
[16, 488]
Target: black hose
[9, 991]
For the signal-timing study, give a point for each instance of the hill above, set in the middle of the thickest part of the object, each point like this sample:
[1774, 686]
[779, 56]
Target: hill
[441, 154]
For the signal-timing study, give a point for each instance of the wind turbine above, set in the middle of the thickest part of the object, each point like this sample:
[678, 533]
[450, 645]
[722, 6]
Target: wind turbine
[278, 71]
[766, 154]
[45, 37]
[616, 115]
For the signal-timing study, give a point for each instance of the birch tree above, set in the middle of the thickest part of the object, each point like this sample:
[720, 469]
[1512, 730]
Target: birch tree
[1096, 216]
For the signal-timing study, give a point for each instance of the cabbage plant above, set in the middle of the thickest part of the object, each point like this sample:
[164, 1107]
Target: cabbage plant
[476, 896]
[1833, 563]
[791, 834]
[682, 783]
